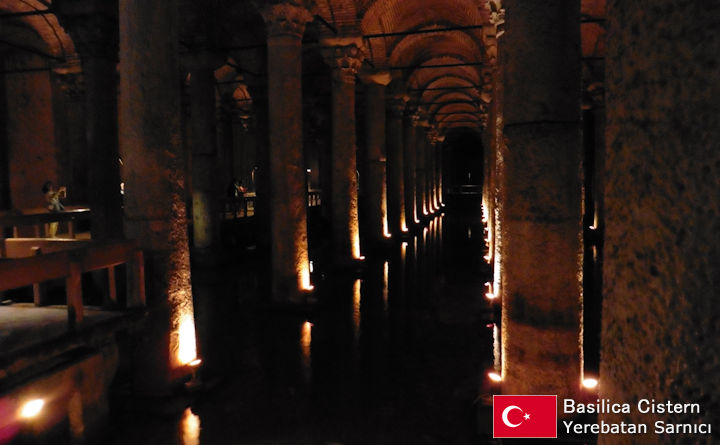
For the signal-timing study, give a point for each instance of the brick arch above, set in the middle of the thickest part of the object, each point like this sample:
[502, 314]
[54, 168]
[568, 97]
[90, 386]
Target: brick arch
[415, 48]
[56, 41]
[450, 118]
[454, 108]
[415, 78]
[398, 15]
[443, 95]
[384, 16]
[449, 80]
[456, 98]
[342, 14]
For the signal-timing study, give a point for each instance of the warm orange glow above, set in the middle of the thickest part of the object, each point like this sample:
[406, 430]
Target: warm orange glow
[32, 408]
[497, 357]
[489, 294]
[356, 308]
[494, 376]
[590, 383]
[386, 275]
[305, 348]
[304, 275]
[306, 339]
[187, 348]
[190, 428]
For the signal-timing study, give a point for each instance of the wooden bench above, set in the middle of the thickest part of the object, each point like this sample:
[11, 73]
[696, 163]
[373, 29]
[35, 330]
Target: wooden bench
[69, 264]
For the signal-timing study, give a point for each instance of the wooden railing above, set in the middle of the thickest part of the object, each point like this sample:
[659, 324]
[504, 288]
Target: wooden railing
[39, 218]
[314, 197]
[69, 265]
[240, 207]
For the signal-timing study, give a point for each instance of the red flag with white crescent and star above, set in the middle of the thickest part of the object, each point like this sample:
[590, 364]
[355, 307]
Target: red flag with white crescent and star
[525, 416]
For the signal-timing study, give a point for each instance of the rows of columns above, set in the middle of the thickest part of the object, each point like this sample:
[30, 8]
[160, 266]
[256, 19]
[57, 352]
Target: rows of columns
[402, 163]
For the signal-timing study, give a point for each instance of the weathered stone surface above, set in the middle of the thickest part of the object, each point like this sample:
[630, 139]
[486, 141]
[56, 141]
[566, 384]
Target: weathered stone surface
[660, 322]
[154, 174]
[376, 160]
[344, 62]
[541, 269]
[395, 160]
[288, 201]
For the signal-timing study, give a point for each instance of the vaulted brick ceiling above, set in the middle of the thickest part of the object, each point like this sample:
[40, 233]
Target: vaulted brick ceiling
[440, 52]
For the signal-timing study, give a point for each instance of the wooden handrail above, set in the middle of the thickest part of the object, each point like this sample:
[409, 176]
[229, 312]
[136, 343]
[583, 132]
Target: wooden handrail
[37, 217]
[69, 265]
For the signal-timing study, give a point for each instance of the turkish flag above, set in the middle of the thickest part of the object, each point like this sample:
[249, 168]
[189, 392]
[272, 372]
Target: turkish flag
[524, 416]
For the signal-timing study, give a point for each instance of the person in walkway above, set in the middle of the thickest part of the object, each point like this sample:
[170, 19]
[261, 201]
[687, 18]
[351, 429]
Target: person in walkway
[52, 197]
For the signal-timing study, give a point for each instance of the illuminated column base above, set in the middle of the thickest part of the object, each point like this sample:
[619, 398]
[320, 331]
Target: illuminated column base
[410, 169]
[420, 171]
[285, 25]
[154, 200]
[541, 228]
[375, 208]
[395, 167]
[344, 57]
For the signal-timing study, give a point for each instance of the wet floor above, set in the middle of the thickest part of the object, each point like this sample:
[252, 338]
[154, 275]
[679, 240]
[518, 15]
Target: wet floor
[393, 355]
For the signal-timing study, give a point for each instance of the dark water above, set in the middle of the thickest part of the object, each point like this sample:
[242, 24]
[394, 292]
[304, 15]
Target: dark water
[393, 355]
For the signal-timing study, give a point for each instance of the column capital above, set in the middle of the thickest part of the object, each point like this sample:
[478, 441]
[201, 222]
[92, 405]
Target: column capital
[396, 105]
[286, 18]
[344, 56]
[70, 77]
[376, 78]
[71, 84]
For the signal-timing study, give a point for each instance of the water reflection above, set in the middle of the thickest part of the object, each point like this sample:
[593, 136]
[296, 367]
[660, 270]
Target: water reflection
[305, 345]
[386, 274]
[393, 355]
[189, 428]
[356, 297]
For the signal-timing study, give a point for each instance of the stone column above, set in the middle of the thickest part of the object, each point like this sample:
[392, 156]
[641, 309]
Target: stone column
[420, 169]
[375, 180]
[288, 198]
[155, 212]
[71, 134]
[207, 191]
[440, 169]
[395, 169]
[409, 161]
[95, 33]
[433, 149]
[344, 57]
[660, 330]
[541, 279]
[430, 160]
